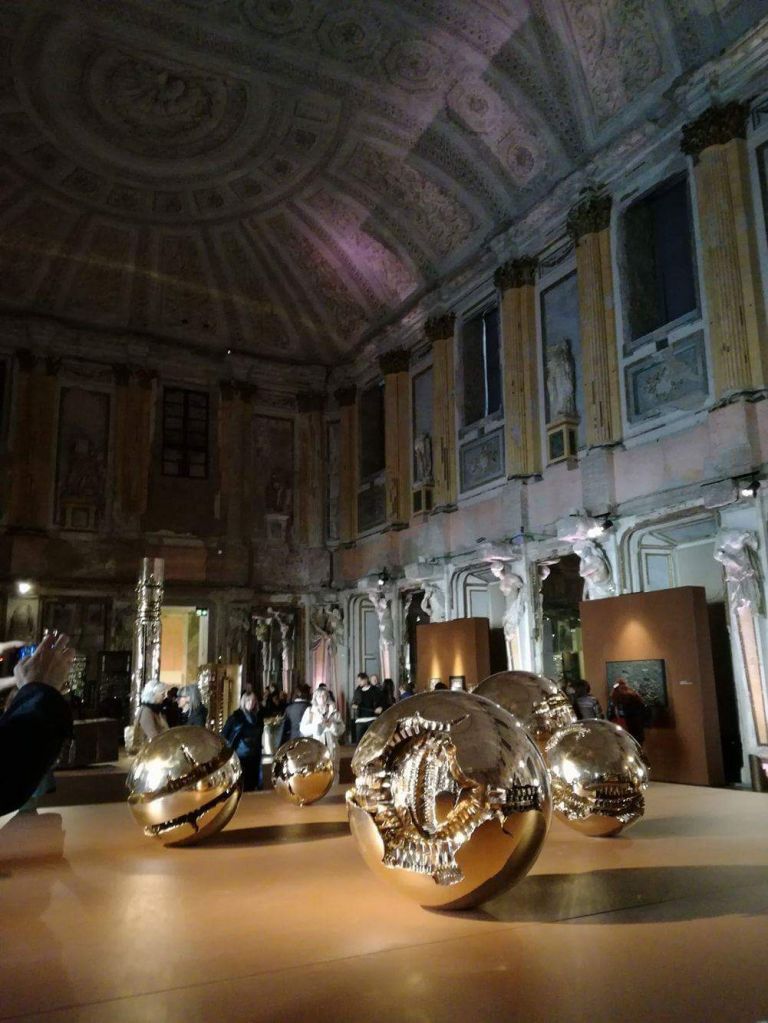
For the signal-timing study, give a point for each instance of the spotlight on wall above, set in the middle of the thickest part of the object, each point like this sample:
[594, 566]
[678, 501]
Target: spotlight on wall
[201, 612]
[23, 587]
[383, 577]
[749, 488]
[602, 524]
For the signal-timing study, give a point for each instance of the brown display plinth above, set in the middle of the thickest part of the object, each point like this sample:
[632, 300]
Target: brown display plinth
[460, 647]
[683, 744]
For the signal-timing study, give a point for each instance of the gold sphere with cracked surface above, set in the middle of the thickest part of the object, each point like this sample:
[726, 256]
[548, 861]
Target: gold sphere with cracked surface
[451, 800]
[184, 785]
[302, 771]
[598, 775]
[536, 701]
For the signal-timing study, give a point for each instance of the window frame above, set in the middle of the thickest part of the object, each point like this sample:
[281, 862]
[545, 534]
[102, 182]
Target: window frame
[185, 448]
[489, 419]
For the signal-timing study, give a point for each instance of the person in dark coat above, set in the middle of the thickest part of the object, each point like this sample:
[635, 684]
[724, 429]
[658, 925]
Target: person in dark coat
[171, 710]
[243, 731]
[294, 712]
[191, 704]
[367, 704]
[627, 708]
[36, 723]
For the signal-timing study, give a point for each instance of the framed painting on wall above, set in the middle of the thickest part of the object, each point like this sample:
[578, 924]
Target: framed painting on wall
[649, 678]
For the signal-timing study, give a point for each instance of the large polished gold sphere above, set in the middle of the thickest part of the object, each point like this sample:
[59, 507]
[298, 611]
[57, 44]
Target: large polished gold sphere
[184, 785]
[451, 799]
[302, 771]
[536, 701]
[598, 776]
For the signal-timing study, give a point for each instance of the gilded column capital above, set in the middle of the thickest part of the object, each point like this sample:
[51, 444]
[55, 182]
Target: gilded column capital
[716, 126]
[346, 396]
[438, 327]
[310, 401]
[227, 390]
[52, 365]
[122, 372]
[396, 361]
[516, 273]
[592, 213]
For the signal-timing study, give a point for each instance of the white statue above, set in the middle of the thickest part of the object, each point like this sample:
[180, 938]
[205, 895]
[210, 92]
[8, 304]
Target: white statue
[561, 380]
[512, 587]
[285, 624]
[422, 449]
[386, 631]
[594, 569]
[736, 550]
[433, 603]
[327, 624]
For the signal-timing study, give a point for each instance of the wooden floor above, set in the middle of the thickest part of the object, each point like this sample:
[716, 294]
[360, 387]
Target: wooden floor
[278, 919]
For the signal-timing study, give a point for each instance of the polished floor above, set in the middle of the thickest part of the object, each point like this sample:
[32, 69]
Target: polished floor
[278, 919]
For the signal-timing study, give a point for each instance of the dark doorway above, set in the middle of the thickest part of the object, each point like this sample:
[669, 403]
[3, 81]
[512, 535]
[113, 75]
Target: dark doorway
[561, 593]
[725, 687]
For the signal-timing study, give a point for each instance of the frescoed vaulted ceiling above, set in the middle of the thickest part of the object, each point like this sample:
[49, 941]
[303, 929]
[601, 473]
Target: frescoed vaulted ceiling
[280, 176]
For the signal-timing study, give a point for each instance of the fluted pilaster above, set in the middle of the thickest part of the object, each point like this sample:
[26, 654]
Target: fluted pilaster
[440, 332]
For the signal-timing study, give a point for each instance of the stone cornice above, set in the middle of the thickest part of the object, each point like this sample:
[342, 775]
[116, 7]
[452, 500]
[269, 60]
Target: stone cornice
[591, 213]
[438, 327]
[516, 273]
[395, 361]
[716, 126]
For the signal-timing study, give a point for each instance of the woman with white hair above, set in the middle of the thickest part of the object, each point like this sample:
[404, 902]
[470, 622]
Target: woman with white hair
[151, 719]
[322, 721]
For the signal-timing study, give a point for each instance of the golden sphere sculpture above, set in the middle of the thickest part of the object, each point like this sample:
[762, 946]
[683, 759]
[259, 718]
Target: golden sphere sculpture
[598, 775]
[302, 771]
[536, 701]
[184, 785]
[451, 800]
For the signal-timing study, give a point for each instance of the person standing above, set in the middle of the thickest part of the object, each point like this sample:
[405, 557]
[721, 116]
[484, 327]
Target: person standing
[626, 707]
[150, 719]
[191, 705]
[294, 712]
[322, 721]
[243, 732]
[367, 704]
[584, 703]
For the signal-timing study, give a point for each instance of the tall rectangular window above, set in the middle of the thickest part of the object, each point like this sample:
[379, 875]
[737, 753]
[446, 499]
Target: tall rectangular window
[372, 449]
[185, 433]
[481, 363]
[659, 259]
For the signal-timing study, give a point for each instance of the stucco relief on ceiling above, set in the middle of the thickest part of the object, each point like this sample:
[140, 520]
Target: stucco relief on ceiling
[280, 176]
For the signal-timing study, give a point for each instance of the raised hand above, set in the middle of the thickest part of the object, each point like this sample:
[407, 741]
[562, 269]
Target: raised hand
[50, 663]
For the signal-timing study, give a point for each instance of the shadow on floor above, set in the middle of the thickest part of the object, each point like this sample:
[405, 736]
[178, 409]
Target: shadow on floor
[656, 893]
[274, 833]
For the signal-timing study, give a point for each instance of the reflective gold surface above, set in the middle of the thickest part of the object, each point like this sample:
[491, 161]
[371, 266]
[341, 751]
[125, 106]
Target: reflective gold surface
[535, 700]
[184, 785]
[598, 775]
[302, 771]
[451, 799]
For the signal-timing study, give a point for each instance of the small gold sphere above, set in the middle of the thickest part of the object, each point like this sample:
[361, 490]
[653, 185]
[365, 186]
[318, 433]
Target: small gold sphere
[451, 799]
[184, 785]
[302, 771]
[536, 701]
[598, 775]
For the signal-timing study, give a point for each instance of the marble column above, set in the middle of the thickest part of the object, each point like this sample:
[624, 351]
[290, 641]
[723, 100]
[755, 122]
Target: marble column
[716, 142]
[310, 429]
[346, 399]
[516, 281]
[440, 332]
[397, 435]
[589, 225]
[134, 427]
[33, 446]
